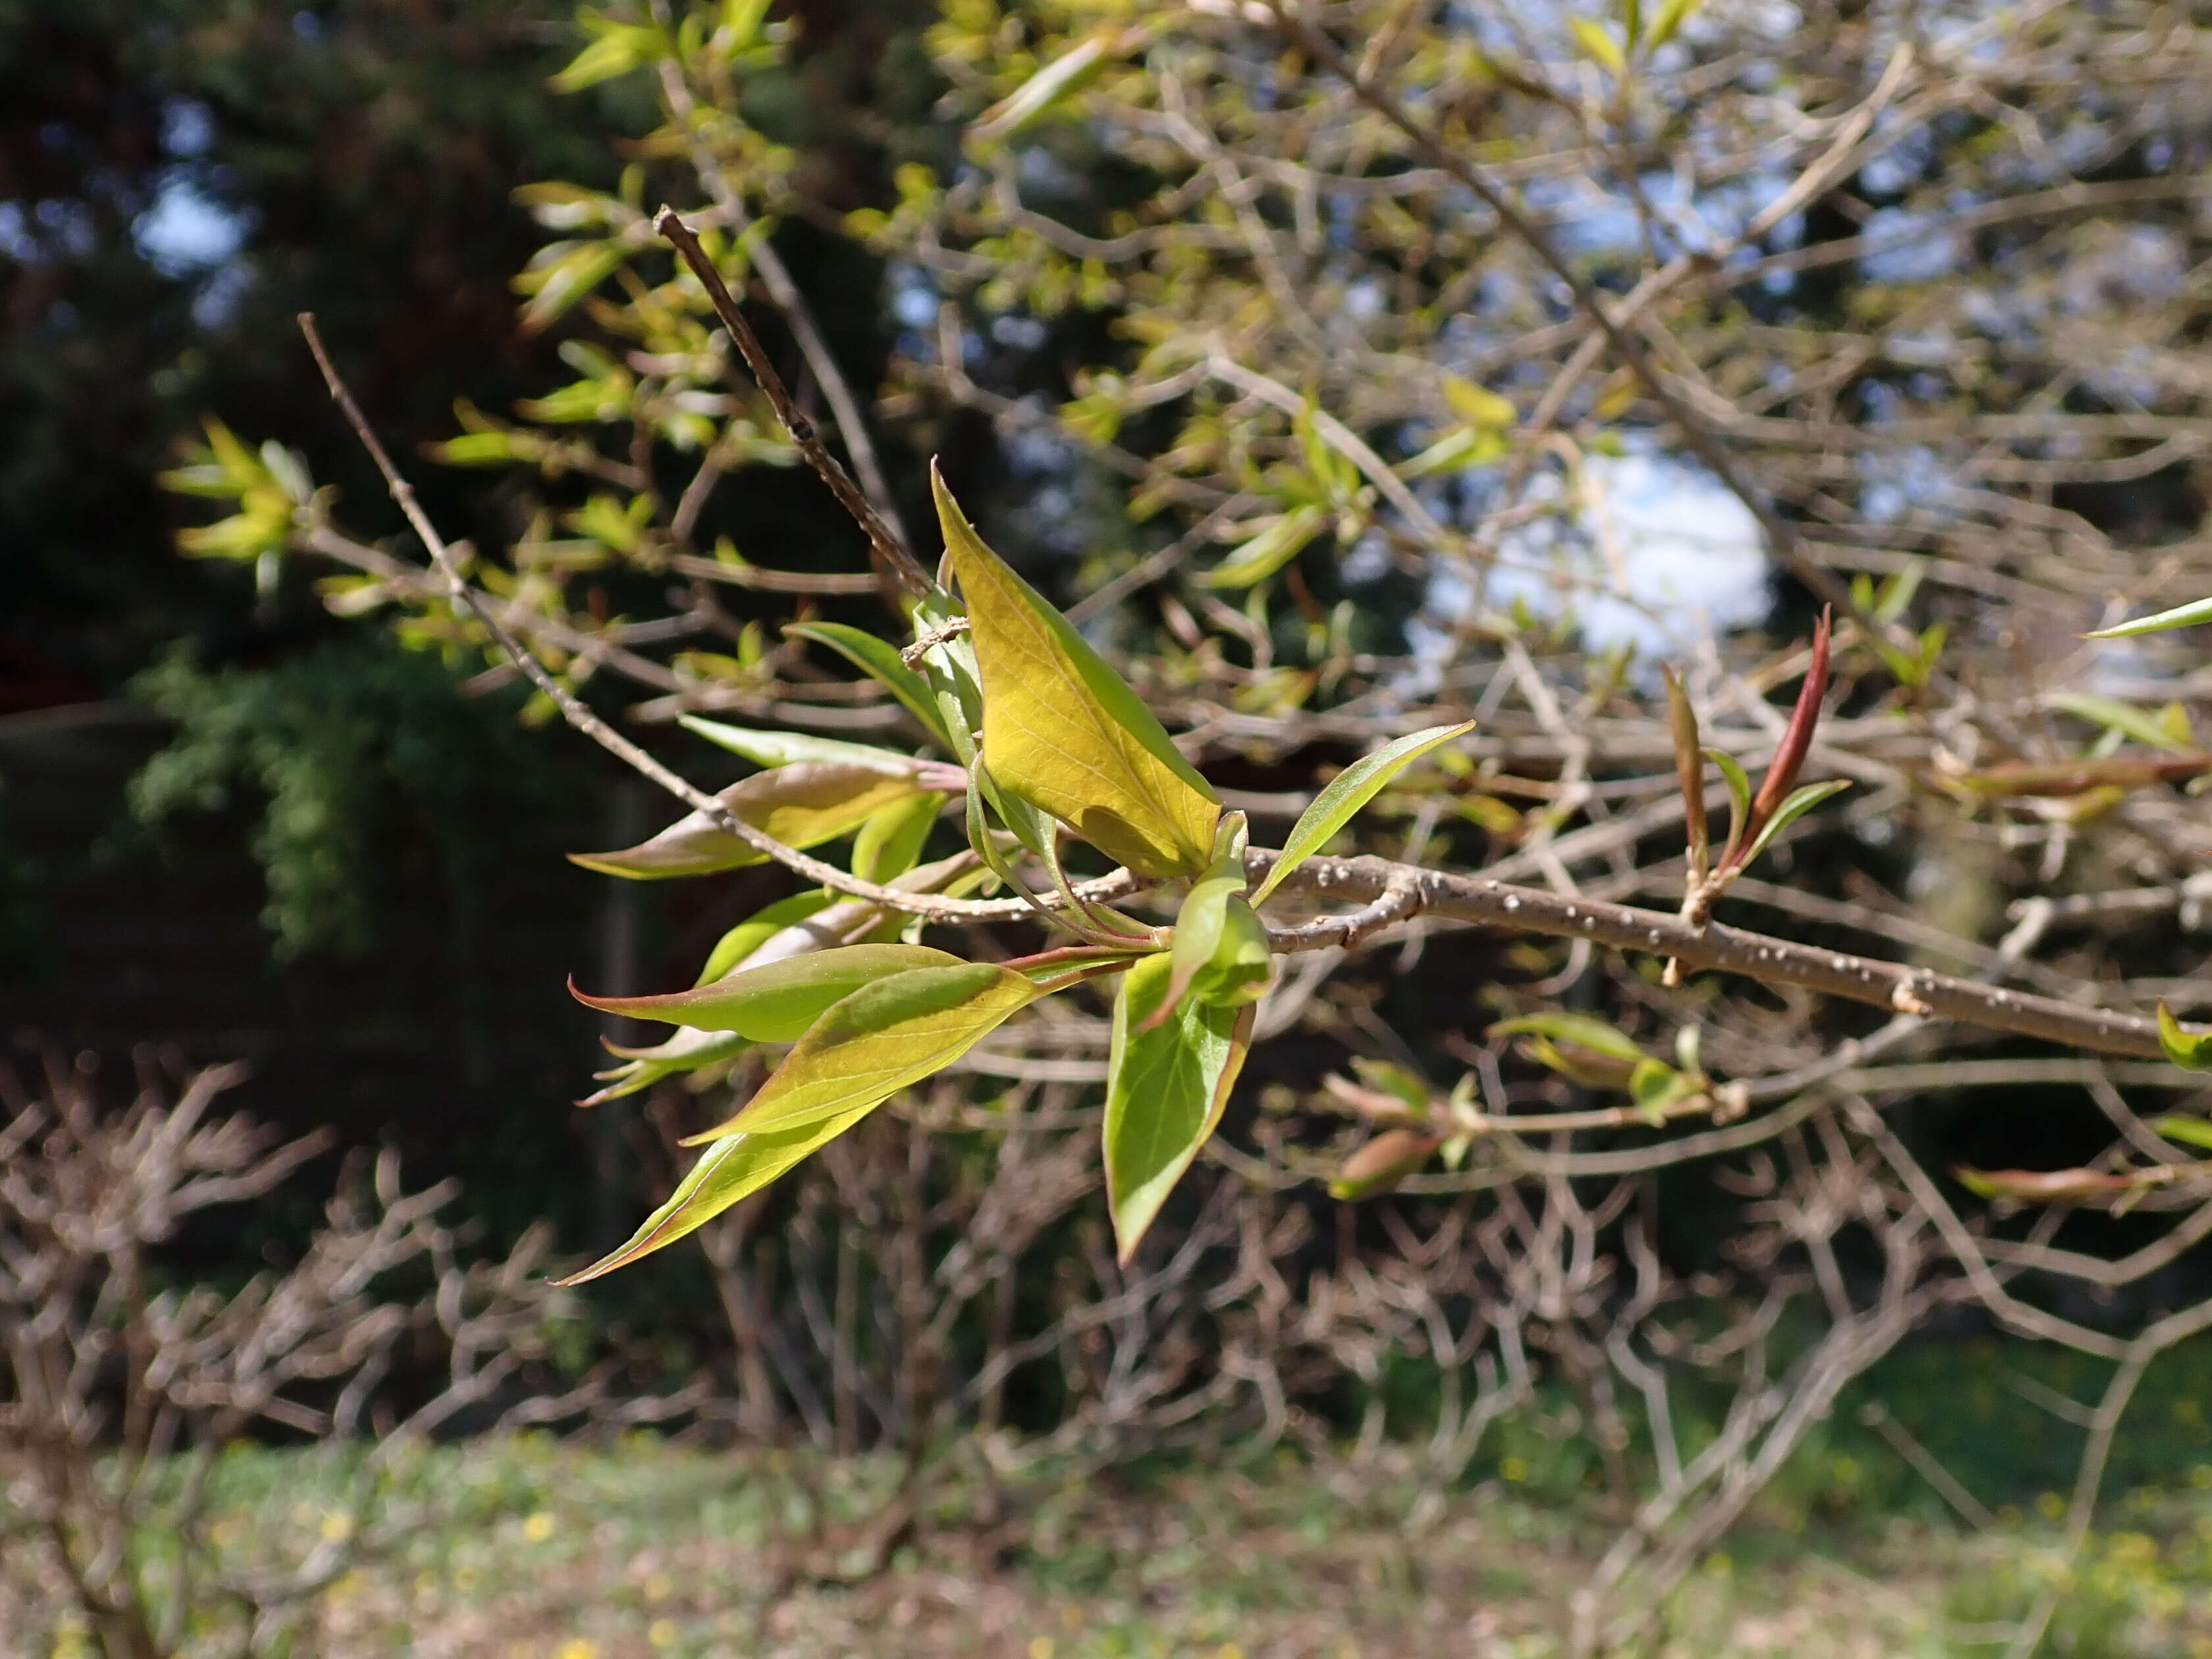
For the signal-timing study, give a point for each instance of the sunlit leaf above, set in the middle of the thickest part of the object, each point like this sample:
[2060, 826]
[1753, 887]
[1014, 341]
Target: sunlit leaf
[800, 805]
[1165, 1091]
[889, 844]
[2181, 615]
[2153, 731]
[1265, 554]
[777, 1001]
[1478, 406]
[731, 949]
[880, 660]
[2191, 1050]
[1802, 800]
[686, 1051]
[1382, 1163]
[1066, 74]
[1668, 18]
[2033, 779]
[1689, 773]
[774, 749]
[1063, 732]
[734, 1168]
[2185, 1131]
[1347, 792]
[1738, 784]
[1597, 41]
[1584, 1030]
[887, 1035]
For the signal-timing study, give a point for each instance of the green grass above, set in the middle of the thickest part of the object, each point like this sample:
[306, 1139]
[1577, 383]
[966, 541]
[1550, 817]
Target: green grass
[540, 1549]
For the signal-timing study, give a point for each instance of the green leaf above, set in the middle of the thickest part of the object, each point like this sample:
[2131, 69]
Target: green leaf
[885, 1036]
[2181, 615]
[1271, 549]
[687, 1051]
[777, 1001]
[1579, 1029]
[748, 936]
[1478, 406]
[1063, 732]
[2190, 1050]
[801, 805]
[620, 48]
[2153, 731]
[1597, 41]
[890, 844]
[1201, 922]
[880, 659]
[1382, 1163]
[1739, 793]
[1166, 1088]
[1800, 801]
[2184, 1130]
[1066, 74]
[732, 1168]
[774, 749]
[1671, 16]
[1347, 792]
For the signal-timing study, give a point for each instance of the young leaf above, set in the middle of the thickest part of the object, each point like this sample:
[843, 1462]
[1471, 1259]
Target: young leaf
[2181, 615]
[734, 1168]
[2044, 1186]
[1065, 75]
[1478, 406]
[1382, 1163]
[2190, 1050]
[1597, 41]
[1670, 17]
[890, 842]
[1805, 799]
[777, 1001]
[687, 1051]
[2152, 731]
[1347, 792]
[2185, 1131]
[880, 659]
[1580, 1029]
[1256, 560]
[1201, 922]
[2043, 780]
[1165, 1091]
[1690, 775]
[1789, 754]
[748, 936]
[889, 1033]
[1738, 783]
[774, 749]
[1064, 732]
[801, 805]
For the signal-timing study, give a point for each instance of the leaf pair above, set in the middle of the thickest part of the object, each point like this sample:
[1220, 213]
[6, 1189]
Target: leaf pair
[870, 1028]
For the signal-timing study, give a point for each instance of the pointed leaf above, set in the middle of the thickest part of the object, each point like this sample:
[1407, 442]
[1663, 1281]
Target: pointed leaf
[731, 949]
[734, 1168]
[1670, 17]
[1347, 792]
[777, 1001]
[1200, 924]
[1478, 406]
[1597, 41]
[1063, 732]
[687, 1051]
[2044, 1186]
[880, 659]
[1689, 774]
[2036, 779]
[1382, 1163]
[2185, 1131]
[1066, 74]
[887, 1035]
[1583, 1029]
[801, 805]
[1268, 551]
[2190, 1050]
[2181, 615]
[1738, 783]
[1165, 1091]
[1806, 797]
[2153, 731]
[774, 749]
[890, 842]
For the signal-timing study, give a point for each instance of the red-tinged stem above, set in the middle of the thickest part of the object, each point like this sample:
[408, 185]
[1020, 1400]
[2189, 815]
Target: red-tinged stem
[1797, 742]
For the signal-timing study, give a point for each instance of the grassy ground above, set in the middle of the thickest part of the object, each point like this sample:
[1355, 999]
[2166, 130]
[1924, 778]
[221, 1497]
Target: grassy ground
[545, 1550]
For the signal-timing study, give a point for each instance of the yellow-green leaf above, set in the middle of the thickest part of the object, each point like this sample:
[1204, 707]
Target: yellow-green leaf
[1347, 792]
[2191, 1050]
[777, 1001]
[1166, 1088]
[892, 1032]
[1065, 732]
[800, 805]
[1068, 73]
[732, 950]
[1271, 549]
[687, 1051]
[1382, 1163]
[880, 660]
[1478, 406]
[890, 843]
[774, 748]
[734, 1168]
[1597, 41]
